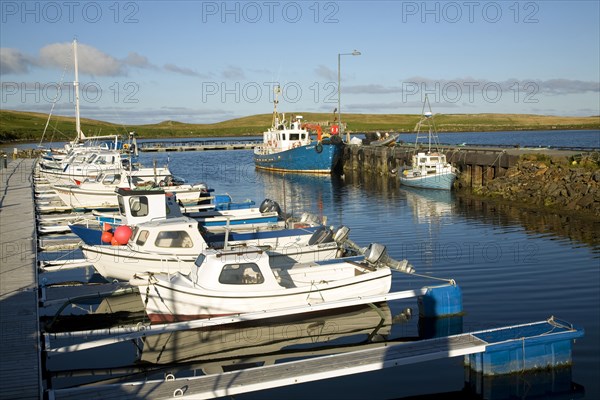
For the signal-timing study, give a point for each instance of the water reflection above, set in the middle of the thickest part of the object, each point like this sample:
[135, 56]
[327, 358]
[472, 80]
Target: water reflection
[534, 221]
[555, 383]
[429, 206]
[300, 192]
[216, 349]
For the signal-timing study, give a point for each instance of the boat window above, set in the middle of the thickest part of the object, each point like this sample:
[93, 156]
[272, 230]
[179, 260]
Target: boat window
[111, 178]
[173, 239]
[303, 136]
[138, 206]
[283, 136]
[91, 159]
[433, 159]
[241, 274]
[423, 160]
[294, 136]
[142, 238]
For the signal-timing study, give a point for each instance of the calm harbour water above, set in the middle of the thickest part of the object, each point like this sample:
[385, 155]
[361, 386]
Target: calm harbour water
[513, 265]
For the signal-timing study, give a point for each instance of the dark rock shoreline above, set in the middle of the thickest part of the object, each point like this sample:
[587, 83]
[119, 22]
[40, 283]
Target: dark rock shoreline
[558, 183]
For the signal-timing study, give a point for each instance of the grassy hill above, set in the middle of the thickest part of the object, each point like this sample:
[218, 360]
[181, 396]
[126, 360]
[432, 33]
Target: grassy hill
[29, 126]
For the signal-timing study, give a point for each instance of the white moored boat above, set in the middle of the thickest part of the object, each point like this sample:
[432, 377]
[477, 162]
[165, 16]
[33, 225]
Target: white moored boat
[226, 282]
[100, 193]
[429, 170]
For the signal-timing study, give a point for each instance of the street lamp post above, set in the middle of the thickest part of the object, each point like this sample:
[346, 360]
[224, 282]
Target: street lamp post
[341, 127]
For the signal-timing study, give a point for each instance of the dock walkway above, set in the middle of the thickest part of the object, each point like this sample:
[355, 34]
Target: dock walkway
[20, 372]
[509, 342]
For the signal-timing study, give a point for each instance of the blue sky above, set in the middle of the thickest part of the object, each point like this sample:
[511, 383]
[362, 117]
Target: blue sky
[208, 61]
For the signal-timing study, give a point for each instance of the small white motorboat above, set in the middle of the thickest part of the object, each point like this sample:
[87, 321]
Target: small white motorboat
[429, 170]
[237, 281]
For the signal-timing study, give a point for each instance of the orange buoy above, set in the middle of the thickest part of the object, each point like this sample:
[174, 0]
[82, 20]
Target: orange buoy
[114, 241]
[106, 227]
[122, 234]
[106, 237]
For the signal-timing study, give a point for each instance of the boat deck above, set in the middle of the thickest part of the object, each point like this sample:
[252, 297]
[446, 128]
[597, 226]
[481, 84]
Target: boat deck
[20, 372]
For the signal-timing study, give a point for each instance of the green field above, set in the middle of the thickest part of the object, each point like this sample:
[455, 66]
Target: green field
[28, 126]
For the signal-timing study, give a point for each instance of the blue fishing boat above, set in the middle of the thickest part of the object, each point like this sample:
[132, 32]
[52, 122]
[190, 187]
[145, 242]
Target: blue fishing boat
[288, 146]
[429, 170]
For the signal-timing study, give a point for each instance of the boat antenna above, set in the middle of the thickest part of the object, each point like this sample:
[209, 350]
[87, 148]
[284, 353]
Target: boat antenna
[427, 116]
[276, 90]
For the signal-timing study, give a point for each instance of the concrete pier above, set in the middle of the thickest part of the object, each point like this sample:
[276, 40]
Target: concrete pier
[20, 371]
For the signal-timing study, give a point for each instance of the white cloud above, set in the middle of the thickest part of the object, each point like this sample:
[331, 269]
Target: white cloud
[233, 72]
[326, 72]
[12, 61]
[180, 70]
[137, 60]
[90, 59]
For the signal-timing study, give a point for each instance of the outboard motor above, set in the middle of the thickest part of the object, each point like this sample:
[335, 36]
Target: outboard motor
[311, 219]
[341, 238]
[376, 255]
[321, 235]
[269, 205]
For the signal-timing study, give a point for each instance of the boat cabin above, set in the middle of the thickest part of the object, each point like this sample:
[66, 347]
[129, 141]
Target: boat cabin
[137, 206]
[250, 270]
[180, 236]
[429, 163]
[280, 137]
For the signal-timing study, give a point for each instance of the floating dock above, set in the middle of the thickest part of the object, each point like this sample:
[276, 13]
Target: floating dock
[500, 350]
[20, 368]
[163, 146]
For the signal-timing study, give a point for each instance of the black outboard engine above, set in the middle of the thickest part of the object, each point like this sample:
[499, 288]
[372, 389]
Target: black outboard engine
[321, 235]
[269, 205]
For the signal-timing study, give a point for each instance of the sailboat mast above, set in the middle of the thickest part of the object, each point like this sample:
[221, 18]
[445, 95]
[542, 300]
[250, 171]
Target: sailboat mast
[80, 134]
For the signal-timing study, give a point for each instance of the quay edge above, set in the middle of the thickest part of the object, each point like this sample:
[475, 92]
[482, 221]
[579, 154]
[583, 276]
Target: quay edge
[564, 179]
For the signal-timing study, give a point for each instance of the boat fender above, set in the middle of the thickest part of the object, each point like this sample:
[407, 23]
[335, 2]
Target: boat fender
[321, 235]
[391, 163]
[319, 148]
[360, 155]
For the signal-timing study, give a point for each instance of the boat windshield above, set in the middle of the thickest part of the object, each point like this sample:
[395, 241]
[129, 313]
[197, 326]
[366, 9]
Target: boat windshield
[121, 206]
[200, 260]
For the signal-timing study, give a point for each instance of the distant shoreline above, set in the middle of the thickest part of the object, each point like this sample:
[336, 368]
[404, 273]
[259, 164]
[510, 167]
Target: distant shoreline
[24, 127]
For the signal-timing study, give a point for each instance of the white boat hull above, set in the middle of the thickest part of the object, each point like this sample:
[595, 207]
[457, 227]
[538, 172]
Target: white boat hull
[71, 175]
[175, 298]
[81, 198]
[442, 181]
[122, 262]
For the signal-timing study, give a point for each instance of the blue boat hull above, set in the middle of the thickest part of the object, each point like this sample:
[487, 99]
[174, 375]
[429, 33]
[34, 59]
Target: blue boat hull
[302, 159]
[434, 181]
